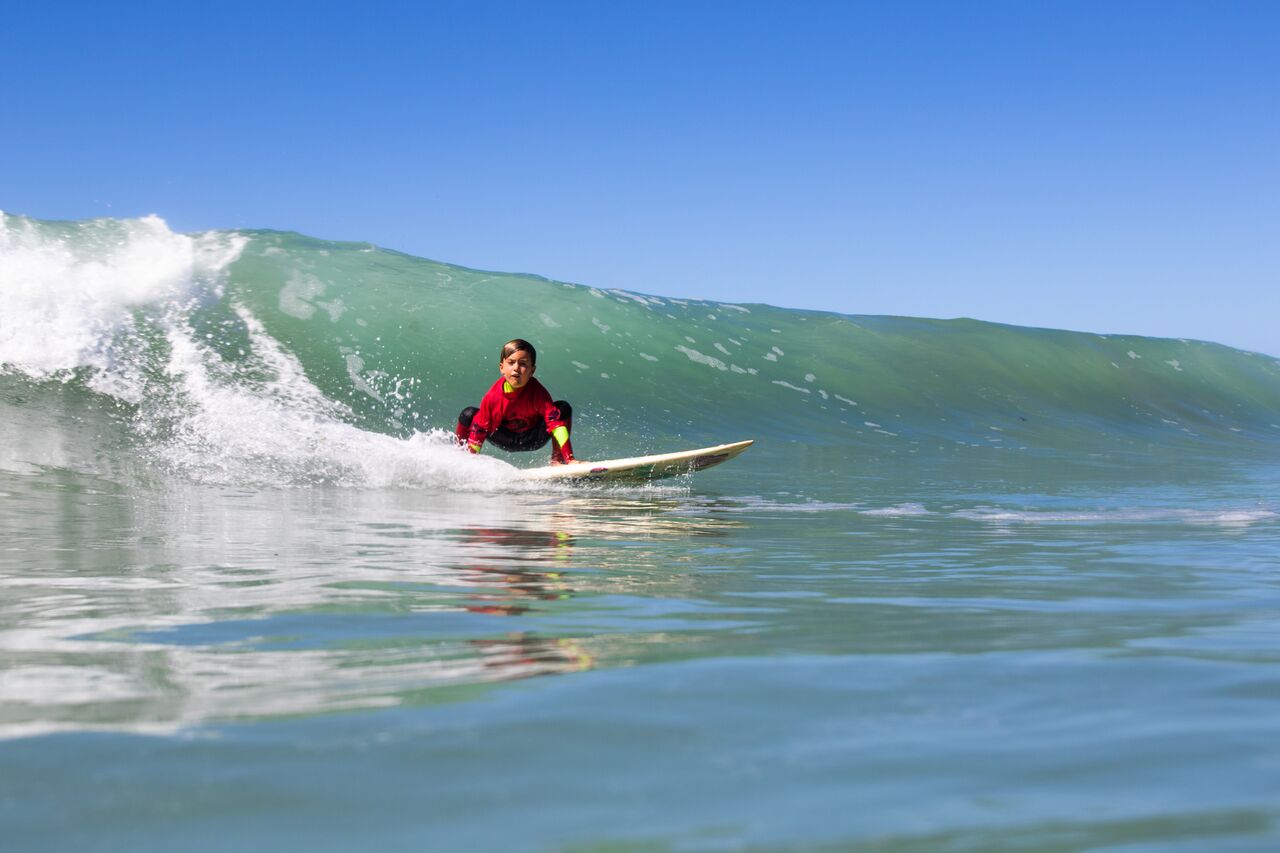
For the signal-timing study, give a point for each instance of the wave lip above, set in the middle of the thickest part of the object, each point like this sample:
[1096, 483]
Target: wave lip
[70, 290]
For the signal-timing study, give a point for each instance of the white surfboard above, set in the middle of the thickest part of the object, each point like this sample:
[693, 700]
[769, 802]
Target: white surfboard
[639, 469]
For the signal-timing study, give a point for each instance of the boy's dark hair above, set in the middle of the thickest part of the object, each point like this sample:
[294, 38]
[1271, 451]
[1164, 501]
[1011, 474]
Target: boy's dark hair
[515, 345]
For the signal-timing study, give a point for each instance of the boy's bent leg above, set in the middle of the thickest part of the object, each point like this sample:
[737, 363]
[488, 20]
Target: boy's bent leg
[519, 442]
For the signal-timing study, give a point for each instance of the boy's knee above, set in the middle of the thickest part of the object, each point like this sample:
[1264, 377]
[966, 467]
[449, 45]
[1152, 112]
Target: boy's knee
[467, 415]
[566, 411]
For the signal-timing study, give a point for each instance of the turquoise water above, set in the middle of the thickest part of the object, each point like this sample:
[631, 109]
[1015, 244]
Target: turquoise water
[976, 587]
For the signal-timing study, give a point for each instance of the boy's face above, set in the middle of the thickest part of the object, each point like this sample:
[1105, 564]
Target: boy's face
[517, 369]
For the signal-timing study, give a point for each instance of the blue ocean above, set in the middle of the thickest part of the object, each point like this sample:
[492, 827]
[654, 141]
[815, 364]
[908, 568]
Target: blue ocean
[975, 587]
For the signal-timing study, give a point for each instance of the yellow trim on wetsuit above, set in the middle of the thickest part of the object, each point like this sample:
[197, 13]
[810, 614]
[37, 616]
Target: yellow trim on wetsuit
[561, 435]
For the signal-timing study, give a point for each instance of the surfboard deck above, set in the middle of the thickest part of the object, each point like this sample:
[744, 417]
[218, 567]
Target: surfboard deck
[639, 469]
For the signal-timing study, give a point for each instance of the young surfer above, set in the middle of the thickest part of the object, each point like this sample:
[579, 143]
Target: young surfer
[518, 413]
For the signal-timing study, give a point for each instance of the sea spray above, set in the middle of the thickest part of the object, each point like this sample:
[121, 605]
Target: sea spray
[70, 293]
[140, 315]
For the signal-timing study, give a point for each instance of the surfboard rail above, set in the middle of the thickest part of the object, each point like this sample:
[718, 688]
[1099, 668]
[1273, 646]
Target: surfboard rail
[657, 466]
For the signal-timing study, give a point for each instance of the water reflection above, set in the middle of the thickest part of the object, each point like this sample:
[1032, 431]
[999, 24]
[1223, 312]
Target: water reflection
[154, 611]
[511, 570]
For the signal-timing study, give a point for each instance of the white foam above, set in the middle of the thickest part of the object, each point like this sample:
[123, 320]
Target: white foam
[626, 296]
[906, 510]
[757, 503]
[72, 299]
[701, 358]
[283, 431]
[1226, 517]
[297, 297]
[67, 300]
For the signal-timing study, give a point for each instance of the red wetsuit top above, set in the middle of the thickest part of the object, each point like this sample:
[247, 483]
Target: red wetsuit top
[515, 411]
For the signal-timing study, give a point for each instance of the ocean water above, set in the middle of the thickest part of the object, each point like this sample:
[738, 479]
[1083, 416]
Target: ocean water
[976, 587]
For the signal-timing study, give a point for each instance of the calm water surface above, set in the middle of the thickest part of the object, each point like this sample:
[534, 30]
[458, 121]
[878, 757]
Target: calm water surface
[930, 664]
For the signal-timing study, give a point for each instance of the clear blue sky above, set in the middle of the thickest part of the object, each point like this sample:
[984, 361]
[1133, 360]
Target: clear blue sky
[1103, 166]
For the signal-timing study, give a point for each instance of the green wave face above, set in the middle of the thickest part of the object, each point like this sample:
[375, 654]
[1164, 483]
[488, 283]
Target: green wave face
[237, 349]
[407, 342]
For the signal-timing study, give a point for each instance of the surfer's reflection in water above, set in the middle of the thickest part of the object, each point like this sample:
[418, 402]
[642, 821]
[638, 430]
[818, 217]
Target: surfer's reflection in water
[523, 654]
